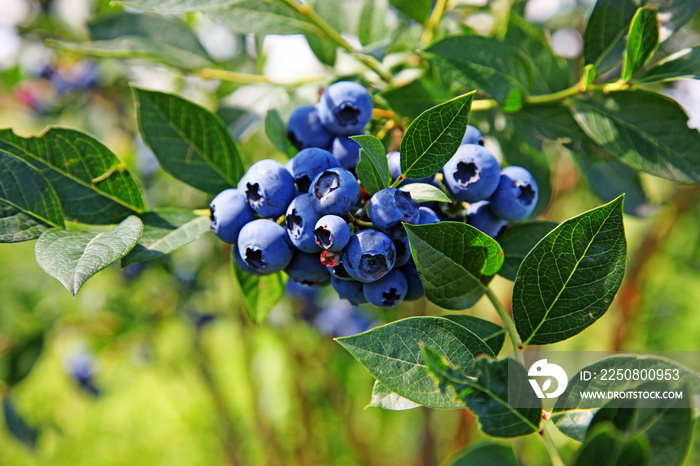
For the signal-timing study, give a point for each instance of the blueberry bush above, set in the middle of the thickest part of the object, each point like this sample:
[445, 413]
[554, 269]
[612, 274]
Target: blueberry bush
[443, 157]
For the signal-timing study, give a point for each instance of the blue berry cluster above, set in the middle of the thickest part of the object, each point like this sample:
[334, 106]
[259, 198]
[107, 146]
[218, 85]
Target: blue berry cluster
[312, 219]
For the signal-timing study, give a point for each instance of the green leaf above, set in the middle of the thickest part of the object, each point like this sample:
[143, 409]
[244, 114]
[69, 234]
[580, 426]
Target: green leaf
[16, 226]
[684, 64]
[276, 131]
[492, 334]
[92, 184]
[486, 454]
[191, 143]
[164, 231]
[551, 73]
[517, 241]
[72, 257]
[568, 281]
[384, 398]
[488, 395]
[165, 40]
[391, 353]
[373, 168]
[415, 97]
[415, 9]
[610, 178]
[423, 192]
[434, 137]
[606, 446]
[259, 293]
[605, 29]
[668, 430]
[175, 6]
[372, 27]
[455, 262]
[642, 41]
[673, 14]
[645, 130]
[265, 17]
[494, 67]
[23, 189]
[572, 414]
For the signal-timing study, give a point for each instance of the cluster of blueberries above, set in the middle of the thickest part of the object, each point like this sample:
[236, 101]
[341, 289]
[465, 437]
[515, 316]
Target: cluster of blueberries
[331, 230]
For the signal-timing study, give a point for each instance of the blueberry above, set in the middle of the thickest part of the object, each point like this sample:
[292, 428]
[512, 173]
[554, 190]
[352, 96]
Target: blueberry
[369, 255]
[268, 187]
[236, 256]
[389, 208]
[480, 216]
[516, 196]
[388, 291]
[473, 136]
[349, 289]
[81, 366]
[264, 247]
[338, 271]
[307, 269]
[308, 163]
[305, 129]
[403, 251]
[415, 286]
[229, 211]
[472, 174]
[394, 159]
[347, 152]
[300, 221]
[426, 216]
[332, 233]
[334, 191]
[345, 108]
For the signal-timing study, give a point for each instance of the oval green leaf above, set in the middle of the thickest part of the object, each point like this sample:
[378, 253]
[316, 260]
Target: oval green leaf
[645, 130]
[92, 184]
[165, 231]
[391, 353]
[190, 142]
[684, 64]
[433, 138]
[423, 192]
[568, 281]
[455, 262]
[642, 41]
[72, 257]
[373, 168]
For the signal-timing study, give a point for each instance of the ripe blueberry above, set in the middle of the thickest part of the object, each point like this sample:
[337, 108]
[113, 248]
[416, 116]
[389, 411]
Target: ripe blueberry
[471, 174]
[305, 129]
[516, 196]
[308, 163]
[332, 233]
[388, 291]
[426, 215]
[307, 269]
[334, 191]
[369, 255]
[268, 187]
[403, 251]
[349, 289]
[345, 108]
[389, 208]
[473, 136]
[300, 221]
[480, 216]
[347, 152]
[229, 211]
[415, 286]
[264, 246]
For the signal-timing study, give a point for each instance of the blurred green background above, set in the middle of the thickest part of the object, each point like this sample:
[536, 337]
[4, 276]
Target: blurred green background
[183, 377]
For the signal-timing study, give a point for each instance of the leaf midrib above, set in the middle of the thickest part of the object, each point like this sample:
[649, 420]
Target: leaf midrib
[69, 175]
[200, 151]
[578, 261]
